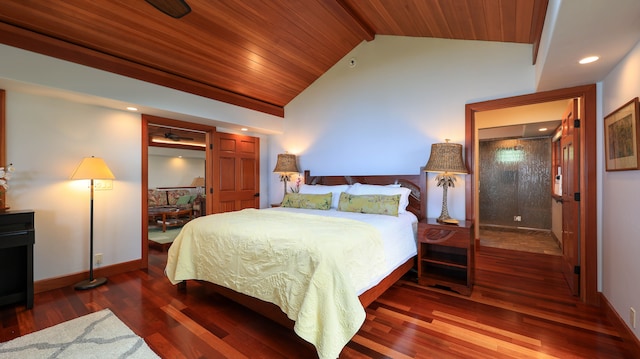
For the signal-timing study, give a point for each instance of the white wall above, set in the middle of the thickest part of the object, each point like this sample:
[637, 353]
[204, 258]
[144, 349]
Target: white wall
[621, 201]
[405, 94]
[46, 139]
[173, 171]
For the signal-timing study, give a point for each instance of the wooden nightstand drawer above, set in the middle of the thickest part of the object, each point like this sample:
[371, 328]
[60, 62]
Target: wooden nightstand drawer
[449, 235]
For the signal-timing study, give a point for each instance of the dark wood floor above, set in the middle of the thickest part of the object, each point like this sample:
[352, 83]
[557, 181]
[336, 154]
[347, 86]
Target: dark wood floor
[520, 308]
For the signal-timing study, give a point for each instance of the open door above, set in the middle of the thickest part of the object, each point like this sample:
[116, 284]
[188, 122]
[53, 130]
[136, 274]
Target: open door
[236, 172]
[570, 144]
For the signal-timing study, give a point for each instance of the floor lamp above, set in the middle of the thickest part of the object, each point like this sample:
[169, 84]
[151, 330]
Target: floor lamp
[91, 168]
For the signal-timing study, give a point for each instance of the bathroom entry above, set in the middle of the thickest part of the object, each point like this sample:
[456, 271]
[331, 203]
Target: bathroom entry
[516, 210]
[581, 262]
[515, 177]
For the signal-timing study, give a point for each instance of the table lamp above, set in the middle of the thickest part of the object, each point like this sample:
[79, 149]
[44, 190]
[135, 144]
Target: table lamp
[286, 166]
[446, 160]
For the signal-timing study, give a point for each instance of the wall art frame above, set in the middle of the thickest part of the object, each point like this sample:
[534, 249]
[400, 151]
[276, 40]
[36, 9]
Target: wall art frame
[621, 134]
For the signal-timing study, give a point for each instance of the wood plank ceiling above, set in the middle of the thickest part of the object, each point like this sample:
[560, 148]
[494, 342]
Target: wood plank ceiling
[255, 54]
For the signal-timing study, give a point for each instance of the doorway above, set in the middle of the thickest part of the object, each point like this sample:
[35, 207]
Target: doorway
[231, 174]
[516, 209]
[587, 213]
[176, 181]
[172, 135]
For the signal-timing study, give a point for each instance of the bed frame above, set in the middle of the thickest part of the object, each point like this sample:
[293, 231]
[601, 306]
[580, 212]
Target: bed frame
[417, 205]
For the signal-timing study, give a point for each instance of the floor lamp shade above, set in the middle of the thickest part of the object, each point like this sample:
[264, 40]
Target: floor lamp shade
[91, 168]
[446, 160]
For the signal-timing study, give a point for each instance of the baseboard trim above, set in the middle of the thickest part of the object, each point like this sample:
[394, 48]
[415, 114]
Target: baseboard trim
[618, 322]
[71, 279]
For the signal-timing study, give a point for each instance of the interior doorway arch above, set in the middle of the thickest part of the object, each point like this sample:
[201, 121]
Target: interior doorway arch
[588, 155]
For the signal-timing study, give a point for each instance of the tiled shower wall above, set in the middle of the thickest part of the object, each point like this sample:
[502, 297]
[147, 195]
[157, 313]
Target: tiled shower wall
[515, 180]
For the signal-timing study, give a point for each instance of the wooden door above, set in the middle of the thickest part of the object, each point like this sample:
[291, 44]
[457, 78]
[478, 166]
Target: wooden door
[236, 172]
[570, 144]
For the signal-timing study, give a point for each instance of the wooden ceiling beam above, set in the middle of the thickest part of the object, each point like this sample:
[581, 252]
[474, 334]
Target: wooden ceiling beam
[45, 45]
[366, 29]
[539, 14]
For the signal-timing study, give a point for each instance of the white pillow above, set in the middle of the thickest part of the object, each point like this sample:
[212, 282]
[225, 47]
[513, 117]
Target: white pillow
[322, 189]
[404, 193]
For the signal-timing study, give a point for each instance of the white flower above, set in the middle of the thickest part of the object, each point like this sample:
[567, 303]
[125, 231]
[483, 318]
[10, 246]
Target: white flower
[5, 176]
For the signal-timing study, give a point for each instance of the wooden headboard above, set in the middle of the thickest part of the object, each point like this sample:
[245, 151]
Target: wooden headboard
[416, 183]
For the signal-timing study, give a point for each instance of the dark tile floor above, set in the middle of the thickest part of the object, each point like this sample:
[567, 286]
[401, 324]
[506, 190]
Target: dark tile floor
[520, 240]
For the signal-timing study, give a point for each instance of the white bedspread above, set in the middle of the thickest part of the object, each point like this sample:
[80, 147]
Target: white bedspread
[320, 263]
[398, 236]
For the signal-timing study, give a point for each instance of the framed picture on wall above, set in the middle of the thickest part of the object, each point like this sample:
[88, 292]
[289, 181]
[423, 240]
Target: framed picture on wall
[621, 138]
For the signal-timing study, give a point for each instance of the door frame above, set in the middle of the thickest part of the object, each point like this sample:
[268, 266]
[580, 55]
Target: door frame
[588, 170]
[209, 134]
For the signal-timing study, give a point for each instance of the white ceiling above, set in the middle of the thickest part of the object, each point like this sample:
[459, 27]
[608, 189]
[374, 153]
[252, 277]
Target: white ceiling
[578, 28]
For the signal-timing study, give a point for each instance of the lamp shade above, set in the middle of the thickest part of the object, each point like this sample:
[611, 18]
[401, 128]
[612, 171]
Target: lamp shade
[92, 168]
[286, 164]
[446, 157]
[198, 182]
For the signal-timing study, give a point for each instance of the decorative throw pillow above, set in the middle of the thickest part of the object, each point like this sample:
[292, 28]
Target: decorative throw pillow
[369, 203]
[183, 200]
[322, 189]
[360, 189]
[307, 201]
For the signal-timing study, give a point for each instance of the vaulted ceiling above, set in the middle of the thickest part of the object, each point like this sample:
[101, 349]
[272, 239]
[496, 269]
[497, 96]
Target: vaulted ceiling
[255, 54]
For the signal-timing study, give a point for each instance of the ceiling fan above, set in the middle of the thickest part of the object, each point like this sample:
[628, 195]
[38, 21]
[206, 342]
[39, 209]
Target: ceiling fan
[173, 8]
[174, 137]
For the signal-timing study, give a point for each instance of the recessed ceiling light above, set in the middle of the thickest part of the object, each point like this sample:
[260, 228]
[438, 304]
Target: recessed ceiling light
[542, 129]
[131, 108]
[244, 129]
[589, 59]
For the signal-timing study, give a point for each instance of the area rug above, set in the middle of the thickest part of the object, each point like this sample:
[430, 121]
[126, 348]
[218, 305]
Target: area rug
[157, 236]
[96, 335]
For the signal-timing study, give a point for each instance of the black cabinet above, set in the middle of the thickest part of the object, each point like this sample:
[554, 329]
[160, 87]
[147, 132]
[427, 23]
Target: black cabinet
[17, 237]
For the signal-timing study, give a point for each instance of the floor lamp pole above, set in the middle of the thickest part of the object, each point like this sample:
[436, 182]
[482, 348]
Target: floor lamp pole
[91, 282]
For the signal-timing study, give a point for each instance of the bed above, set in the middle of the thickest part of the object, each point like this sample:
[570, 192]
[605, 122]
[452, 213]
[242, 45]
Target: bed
[294, 264]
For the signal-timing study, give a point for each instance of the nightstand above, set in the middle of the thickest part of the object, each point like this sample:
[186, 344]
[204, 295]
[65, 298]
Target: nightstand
[446, 255]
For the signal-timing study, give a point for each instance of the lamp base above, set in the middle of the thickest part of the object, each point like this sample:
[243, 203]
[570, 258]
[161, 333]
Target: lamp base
[447, 220]
[89, 284]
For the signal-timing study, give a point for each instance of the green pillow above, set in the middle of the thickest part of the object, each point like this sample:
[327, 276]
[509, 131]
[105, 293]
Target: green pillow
[186, 199]
[307, 201]
[369, 203]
